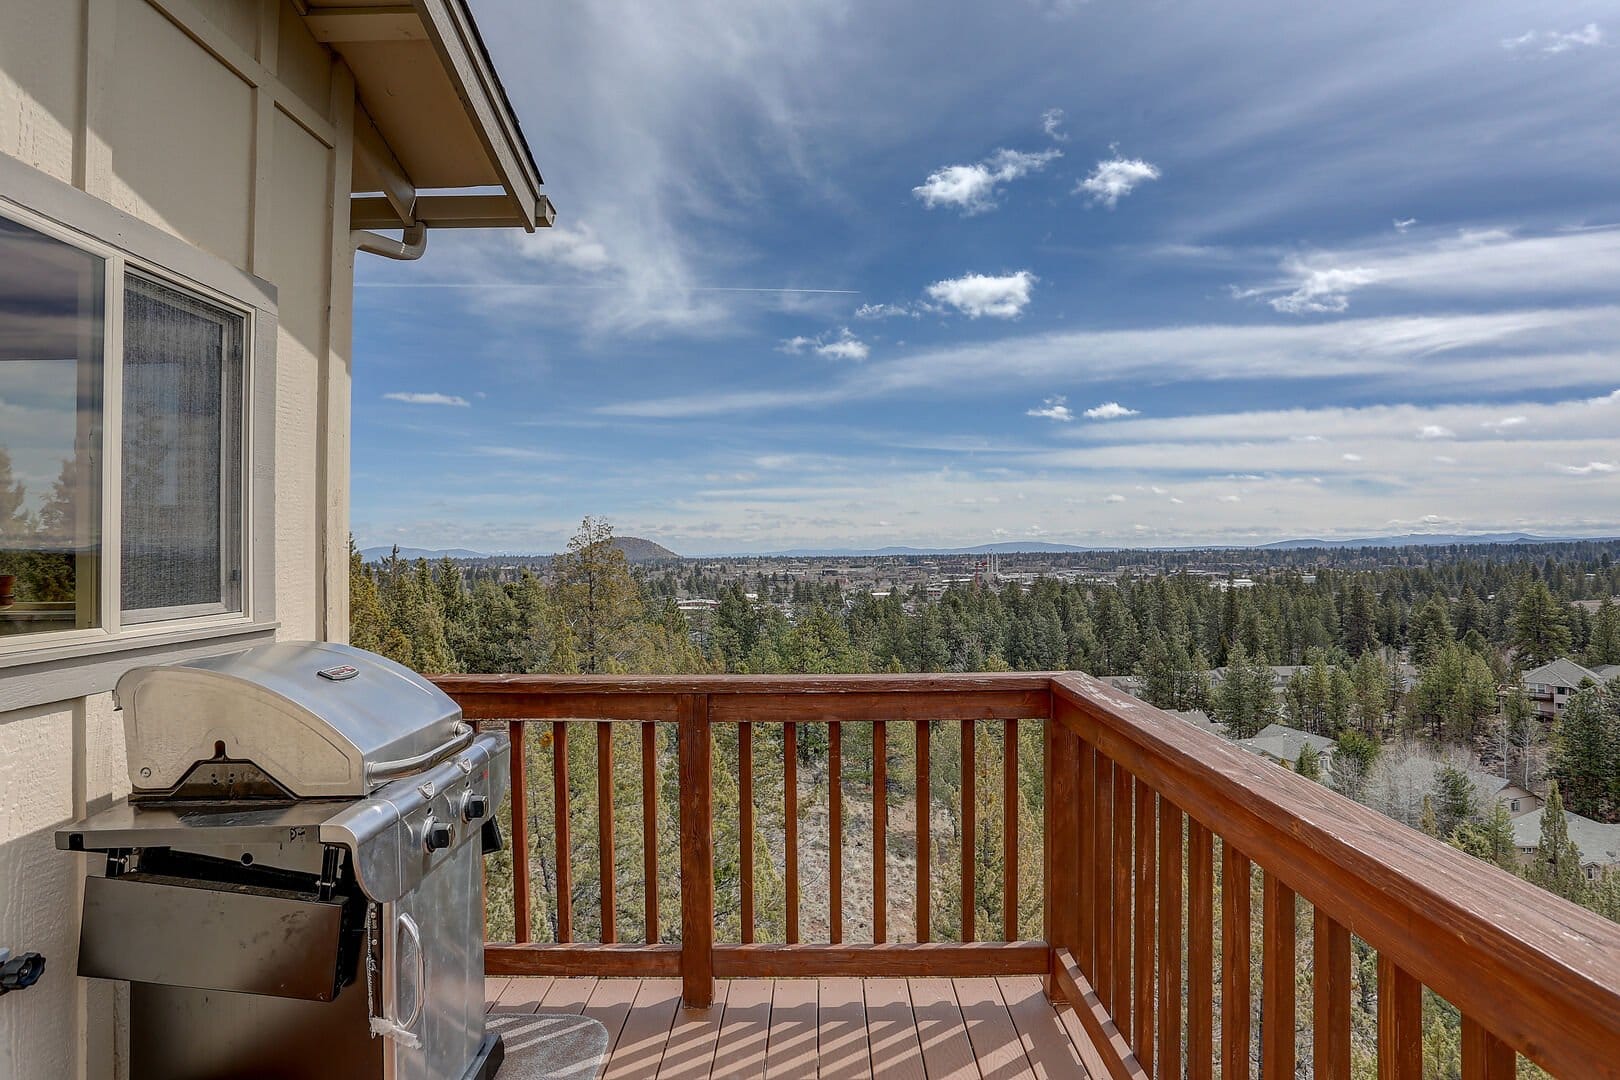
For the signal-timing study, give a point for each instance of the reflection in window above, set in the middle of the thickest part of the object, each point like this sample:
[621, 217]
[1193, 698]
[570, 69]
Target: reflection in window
[50, 432]
[182, 440]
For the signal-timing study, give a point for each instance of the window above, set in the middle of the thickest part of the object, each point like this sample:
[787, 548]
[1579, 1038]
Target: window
[51, 325]
[182, 420]
[122, 425]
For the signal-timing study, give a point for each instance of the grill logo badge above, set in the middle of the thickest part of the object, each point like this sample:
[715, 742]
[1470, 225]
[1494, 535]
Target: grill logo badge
[339, 673]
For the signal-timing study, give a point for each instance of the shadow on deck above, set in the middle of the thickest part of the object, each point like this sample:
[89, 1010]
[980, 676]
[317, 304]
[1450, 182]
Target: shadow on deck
[835, 1028]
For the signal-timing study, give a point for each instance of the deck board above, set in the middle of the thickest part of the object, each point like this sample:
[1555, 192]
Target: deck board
[842, 1042]
[822, 1029]
[791, 1047]
[997, 1048]
[947, 1053]
[891, 1030]
[740, 1054]
[1051, 1053]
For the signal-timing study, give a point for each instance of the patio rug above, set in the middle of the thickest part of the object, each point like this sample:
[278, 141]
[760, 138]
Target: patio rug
[549, 1046]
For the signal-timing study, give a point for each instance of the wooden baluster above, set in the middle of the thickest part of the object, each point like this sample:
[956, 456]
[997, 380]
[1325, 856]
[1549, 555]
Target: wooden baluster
[1278, 969]
[1062, 872]
[649, 824]
[1484, 1056]
[1330, 1001]
[1146, 865]
[604, 827]
[880, 832]
[835, 831]
[1235, 941]
[745, 828]
[1400, 1023]
[970, 841]
[697, 853]
[1200, 953]
[519, 774]
[1103, 875]
[1089, 931]
[1009, 830]
[1124, 788]
[925, 877]
[790, 824]
[565, 853]
[1170, 888]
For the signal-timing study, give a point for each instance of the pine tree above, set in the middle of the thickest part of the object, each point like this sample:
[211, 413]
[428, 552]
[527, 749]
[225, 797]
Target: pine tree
[1456, 803]
[1556, 865]
[1490, 840]
[1586, 757]
[598, 597]
[1604, 646]
[1244, 702]
[1540, 625]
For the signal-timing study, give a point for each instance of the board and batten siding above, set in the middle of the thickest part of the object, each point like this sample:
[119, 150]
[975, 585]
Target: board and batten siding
[223, 124]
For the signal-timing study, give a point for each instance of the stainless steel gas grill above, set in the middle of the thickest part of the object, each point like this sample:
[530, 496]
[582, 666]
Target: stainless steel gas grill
[293, 888]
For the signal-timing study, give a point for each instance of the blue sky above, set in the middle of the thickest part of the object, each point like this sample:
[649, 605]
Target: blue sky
[836, 274]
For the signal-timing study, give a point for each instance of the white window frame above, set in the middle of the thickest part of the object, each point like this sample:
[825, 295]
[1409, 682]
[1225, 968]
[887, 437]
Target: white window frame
[59, 665]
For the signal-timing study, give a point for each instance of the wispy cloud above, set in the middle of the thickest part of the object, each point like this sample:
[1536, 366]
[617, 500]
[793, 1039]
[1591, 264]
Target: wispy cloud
[885, 311]
[1555, 41]
[1003, 297]
[1591, 468]
[1052, 124]
[1435, 431]
[1053, 408]
[842, 346]
[1480, 263]
[1115, 178]
[415, 398]
[1109, 410]
[972, 189]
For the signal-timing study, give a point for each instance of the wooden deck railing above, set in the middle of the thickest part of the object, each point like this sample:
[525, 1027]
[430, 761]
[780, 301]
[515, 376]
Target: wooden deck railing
[1150, 827]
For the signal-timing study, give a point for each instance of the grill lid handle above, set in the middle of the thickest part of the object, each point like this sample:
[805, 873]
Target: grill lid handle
[391, 770]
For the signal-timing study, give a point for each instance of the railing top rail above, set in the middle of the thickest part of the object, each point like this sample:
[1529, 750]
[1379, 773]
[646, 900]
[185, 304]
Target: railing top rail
[1539, 972]
[468, 685]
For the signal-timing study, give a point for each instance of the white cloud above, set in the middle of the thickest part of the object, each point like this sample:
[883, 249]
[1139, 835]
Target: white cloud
[1319, 291]
[414, 398]
[883, 311]
[1402, 224]
[1116, 498]
[979, 294]
[1505, 423]
[845, 346]
[1109, 410]
[1444, 459]
[1591, 468]
[1052, 124]
[1352, 458]
[1436, 431]
[1053, 408]
[1116, 178]
[972, 188]
[1231, 498]
[1554, 41]
[575, 247]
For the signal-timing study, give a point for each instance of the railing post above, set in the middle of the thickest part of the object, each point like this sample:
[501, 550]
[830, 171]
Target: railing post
[697, 853]
[1062, 845]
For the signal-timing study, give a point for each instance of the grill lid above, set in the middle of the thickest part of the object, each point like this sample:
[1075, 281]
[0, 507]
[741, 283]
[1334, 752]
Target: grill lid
[319, 720]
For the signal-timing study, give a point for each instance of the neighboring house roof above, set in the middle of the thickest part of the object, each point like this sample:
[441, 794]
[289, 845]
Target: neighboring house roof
[1597, 842]
[1490, 788]
[434, 119]
[1284, 743]
[1561, 672]
[1198, 718]
[1606, 672]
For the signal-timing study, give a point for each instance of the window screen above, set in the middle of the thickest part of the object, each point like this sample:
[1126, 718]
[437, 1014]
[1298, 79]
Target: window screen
[51, 323]
[182, 442]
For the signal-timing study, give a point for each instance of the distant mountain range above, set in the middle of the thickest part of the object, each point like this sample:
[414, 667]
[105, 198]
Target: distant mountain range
[639, 550]
[1426, 540]
[634, 547]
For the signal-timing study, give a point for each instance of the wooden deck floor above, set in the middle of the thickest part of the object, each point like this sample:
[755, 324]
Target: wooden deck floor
[837, 1029]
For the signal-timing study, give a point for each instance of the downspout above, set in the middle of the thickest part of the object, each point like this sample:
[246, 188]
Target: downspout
[408, 247]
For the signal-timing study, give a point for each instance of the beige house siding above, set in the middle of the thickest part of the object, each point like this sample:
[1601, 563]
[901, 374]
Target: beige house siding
[223, 123]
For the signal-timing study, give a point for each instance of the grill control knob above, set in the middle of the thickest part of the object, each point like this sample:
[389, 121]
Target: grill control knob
[474, 806]
[436, 834]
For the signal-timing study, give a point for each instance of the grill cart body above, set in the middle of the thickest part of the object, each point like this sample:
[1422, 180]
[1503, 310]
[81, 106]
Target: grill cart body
[294, 887]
